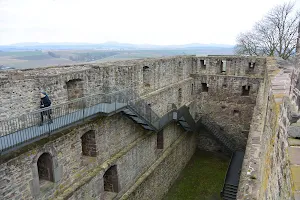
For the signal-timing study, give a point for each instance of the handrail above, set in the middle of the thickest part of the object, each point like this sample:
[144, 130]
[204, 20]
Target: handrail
[39, 110]
[206, 119]
[18, 130]
[23, 128]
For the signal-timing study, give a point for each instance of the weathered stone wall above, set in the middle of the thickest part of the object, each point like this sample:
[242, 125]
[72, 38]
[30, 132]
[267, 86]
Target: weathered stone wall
[113, 140]
[164, 171]
[118, 141]
[218, 89]
[234, 66]
[225, 104]
[161, 100]
[19, 89]
[265, 173]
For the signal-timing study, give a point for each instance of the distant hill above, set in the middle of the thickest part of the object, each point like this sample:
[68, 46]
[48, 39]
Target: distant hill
[104, 46]
[2, 67]
[31, 55]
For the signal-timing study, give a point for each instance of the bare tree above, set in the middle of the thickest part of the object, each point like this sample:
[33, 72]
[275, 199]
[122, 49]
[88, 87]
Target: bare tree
[275, 35]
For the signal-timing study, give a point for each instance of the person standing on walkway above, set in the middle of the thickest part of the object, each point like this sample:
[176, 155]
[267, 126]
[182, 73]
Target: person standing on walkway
[45, 102]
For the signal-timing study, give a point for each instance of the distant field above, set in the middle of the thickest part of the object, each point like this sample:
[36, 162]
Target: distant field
[21, 53]
[33, 59]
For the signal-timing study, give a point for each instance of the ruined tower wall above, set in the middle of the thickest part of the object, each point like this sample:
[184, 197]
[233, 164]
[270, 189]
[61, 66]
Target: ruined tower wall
[271, 163]
[265, 173]
[224, 101]
[120, 142]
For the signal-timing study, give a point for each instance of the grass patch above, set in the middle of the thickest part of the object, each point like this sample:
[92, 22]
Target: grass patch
[202, 178]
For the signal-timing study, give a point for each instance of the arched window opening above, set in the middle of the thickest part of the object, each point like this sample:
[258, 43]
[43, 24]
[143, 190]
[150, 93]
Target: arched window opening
[111, 180]
[88, 143]
[75, 91]
[45, 167]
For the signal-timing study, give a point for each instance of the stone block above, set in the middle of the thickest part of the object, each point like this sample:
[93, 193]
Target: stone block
[293, 142]
[296, 176]
[35, 187]
[294, 153]
[297, 196]
[294, 130]
[57, 173]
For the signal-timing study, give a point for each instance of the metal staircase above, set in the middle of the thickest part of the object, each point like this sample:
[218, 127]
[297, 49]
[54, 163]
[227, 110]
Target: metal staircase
[187, 122]
[23, 130]
[229, 192]
[138, 119]
[217, 131]
[232, 178]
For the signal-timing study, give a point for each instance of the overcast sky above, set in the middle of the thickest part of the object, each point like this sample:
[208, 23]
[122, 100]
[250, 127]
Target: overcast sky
[132, 21]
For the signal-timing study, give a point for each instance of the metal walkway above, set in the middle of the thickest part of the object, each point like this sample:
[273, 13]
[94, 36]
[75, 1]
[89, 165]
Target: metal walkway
[25, 129]
[18, 137]
[232, 179]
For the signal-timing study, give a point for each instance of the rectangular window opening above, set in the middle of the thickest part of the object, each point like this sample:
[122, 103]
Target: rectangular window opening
[245, 90]
[251, 66]
[204, 87]
[236, 113]
[203, 64]
[223, 66]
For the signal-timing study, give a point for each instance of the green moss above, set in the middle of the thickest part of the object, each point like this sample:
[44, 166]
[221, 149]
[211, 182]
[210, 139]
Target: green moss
[202, 178]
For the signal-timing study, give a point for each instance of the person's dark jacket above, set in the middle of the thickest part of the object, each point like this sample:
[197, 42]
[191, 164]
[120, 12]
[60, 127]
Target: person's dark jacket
[45, 102]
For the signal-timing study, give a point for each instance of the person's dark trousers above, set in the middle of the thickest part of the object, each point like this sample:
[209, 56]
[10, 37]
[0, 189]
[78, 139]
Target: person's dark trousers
[48, 113]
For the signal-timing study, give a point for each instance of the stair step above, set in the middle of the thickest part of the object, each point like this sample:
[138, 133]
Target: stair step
[128, 112]
[184, 124]
[229, 192]
[147, 127]
[137, 119]
[231, 186]
[230, 189]
[229, 196]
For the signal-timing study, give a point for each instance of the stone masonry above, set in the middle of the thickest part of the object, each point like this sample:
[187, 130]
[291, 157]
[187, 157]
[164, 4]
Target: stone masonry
[112, 157]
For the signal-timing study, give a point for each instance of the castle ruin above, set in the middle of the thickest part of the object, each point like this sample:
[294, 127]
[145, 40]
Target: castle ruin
[125, 129]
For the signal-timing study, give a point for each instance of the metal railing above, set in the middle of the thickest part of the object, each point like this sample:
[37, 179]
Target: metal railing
[218, 132]
[27, 127]
[142, 108]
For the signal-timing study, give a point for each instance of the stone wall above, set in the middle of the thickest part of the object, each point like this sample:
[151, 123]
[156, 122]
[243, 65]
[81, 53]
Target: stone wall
[221, 88]
[115, 142]
[265, 173]
[19, 89]
[224, 102]
[119, 142]
[164, 171]
[82, 154]
[233, 66]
